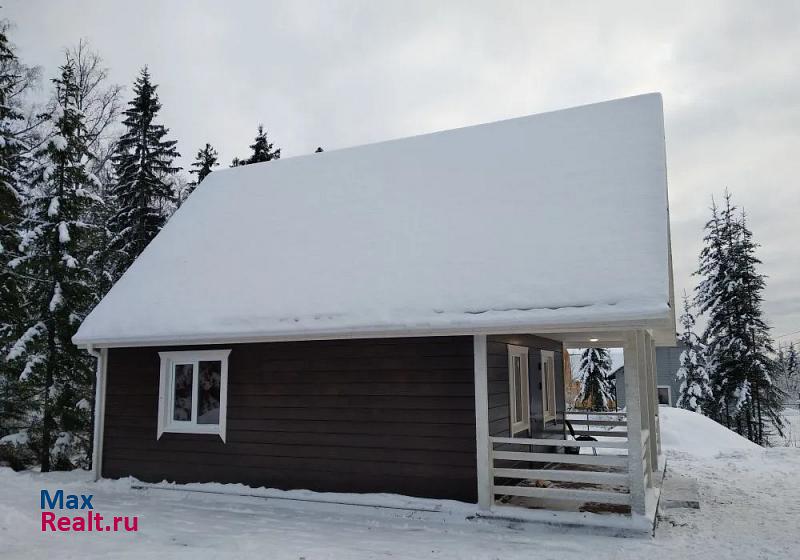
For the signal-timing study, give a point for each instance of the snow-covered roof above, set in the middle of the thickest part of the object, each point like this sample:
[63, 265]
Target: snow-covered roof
[556, 220]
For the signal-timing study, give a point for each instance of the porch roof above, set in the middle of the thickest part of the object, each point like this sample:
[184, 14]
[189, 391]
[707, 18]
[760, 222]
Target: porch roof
[550, 222]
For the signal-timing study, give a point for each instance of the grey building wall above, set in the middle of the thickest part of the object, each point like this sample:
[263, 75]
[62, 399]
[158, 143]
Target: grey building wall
[667, 364]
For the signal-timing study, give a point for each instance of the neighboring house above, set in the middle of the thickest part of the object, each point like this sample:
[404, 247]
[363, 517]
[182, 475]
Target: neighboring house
[392, 318]
[668, 360]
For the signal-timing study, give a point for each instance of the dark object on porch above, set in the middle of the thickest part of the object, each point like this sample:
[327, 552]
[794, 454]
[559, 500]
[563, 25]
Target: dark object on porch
[576, 450]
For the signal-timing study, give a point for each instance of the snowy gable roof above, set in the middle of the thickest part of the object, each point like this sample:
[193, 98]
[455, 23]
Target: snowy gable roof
[553, 219]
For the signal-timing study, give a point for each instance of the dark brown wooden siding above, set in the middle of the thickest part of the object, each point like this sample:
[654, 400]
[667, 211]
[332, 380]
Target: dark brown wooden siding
[382, 415]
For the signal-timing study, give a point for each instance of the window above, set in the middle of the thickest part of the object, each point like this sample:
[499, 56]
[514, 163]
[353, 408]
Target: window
[193, 392]
[548, 386]
[519, 395]
[665, 395]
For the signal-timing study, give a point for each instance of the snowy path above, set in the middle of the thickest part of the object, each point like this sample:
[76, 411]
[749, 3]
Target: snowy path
[750, 509]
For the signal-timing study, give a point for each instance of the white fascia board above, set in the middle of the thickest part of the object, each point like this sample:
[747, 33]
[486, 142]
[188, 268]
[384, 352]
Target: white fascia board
[389, 332]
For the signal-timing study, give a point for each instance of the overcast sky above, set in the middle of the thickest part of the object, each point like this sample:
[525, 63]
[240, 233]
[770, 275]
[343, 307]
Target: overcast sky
[337, 74]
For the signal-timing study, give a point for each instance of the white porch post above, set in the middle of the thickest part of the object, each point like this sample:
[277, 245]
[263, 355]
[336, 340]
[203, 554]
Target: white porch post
[485, 497]
[645, 405]
[633, 403]
[658, 420]
[652, 399]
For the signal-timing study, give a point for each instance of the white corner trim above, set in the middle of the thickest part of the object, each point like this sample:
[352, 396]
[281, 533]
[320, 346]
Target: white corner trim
[99, 410]
[484, 458]
[168, 359]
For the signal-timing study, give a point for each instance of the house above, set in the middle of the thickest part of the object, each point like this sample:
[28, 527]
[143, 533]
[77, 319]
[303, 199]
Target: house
[392, 318]
[668, 360]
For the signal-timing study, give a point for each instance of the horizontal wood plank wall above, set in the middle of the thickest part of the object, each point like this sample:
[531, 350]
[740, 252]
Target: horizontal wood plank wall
[378, 415]
[497, 372]
[499, 407]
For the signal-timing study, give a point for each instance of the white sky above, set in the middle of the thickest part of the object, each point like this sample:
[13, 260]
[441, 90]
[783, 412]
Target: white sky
[338, 74]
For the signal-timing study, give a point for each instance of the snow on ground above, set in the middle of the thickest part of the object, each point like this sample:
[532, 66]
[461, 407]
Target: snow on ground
[750, 506]
[687, 432]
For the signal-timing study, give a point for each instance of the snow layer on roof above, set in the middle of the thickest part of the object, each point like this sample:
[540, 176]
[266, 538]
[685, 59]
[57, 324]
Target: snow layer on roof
[553, 219]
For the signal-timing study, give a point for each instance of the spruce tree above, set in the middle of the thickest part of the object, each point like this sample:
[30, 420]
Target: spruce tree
[262, 149]
[204, 163]
[712, 269]
[745, 397]
[56, 374]
[12, 167]
[760, 398]
[789, 379]
[695, 390]
[596, 391]
[143, 162]
[792, 361]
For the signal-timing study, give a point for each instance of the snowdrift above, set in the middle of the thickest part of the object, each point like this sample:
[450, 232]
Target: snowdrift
[693, 433]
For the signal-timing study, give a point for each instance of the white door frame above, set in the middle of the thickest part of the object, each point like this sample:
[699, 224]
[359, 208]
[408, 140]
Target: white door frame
[520, 352]
[548, 384]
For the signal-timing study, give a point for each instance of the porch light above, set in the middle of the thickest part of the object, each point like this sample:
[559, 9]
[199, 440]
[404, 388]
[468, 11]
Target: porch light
[594, 339]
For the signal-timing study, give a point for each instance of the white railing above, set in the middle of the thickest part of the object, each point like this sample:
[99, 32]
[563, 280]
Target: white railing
[525, 470]
[598, 424]
[566, 477]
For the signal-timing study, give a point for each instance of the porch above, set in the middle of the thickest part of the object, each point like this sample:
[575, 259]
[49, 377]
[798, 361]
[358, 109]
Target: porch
[554, 472]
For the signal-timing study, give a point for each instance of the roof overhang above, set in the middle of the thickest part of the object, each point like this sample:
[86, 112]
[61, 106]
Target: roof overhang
[572, 333]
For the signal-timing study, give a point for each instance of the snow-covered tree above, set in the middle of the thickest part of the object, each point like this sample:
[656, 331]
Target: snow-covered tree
[11, 196]
[596, 391]
[713, 269]
[737, 336]
[263, 150]
[143, 163]
[789, 371]
[766, 403]
[695, 389]
[54, 259]
[12, 167]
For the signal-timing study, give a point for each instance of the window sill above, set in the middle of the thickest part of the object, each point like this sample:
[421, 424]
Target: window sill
[212, 430]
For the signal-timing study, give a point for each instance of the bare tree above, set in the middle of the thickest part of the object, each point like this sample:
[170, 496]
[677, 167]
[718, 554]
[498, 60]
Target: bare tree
[100, 101]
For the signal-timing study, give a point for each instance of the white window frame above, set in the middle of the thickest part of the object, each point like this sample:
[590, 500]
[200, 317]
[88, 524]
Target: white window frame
[548, 385]
[166, 392]
[525, 424]
[669, 394]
